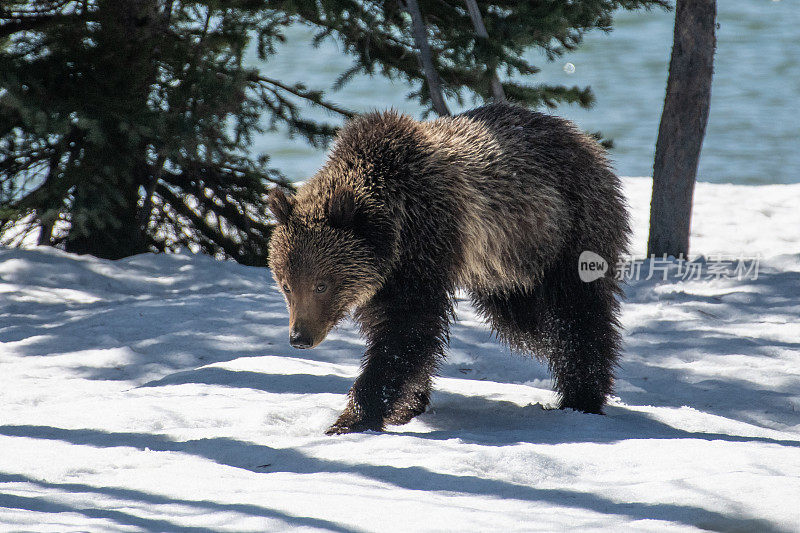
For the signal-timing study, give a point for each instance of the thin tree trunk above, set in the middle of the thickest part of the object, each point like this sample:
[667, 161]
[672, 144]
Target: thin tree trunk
[480, 31]
[47, 217]
[143, 216]
[426, 58]
[46, 232]
[683, 126]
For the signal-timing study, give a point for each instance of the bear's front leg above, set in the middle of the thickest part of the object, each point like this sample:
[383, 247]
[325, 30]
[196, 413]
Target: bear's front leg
[406, 330]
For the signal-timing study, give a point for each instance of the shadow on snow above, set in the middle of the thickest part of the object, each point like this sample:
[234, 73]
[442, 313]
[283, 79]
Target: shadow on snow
[43, 505]
[246, 455]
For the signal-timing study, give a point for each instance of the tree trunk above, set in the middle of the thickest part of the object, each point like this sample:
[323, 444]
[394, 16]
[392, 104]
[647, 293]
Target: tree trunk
[426, 58]
[480, 31]
[47, 216]
[104, 208]
[682, 128]
[46, 225]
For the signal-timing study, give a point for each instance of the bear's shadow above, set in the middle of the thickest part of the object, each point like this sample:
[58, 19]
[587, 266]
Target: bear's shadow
[475, 419]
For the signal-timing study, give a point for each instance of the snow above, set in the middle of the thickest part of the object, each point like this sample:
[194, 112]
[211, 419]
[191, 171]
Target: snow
[159, 393]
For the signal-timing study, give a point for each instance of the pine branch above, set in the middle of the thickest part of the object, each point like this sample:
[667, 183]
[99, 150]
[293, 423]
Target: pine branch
[47, 8]
[212, 235]
[480, 31]
[299, 90]
[36, 23]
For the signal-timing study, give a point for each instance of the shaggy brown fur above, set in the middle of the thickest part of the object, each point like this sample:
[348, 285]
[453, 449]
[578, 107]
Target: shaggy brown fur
[499, 201]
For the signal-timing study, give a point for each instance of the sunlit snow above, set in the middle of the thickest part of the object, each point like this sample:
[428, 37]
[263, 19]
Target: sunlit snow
[159, 393]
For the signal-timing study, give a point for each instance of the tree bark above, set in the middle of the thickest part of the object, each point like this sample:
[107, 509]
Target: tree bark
[104, 209]
[46, 225]
[682, 128]
[480, 31]
[426, 58]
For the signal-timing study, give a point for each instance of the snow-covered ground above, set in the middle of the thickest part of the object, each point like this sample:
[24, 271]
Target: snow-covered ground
[159, 393]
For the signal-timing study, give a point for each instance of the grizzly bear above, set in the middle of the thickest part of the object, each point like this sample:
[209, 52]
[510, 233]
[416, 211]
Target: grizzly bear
[499, 201]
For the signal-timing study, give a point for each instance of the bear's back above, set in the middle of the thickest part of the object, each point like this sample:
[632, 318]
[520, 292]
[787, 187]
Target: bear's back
[495, 194]
[511, 191]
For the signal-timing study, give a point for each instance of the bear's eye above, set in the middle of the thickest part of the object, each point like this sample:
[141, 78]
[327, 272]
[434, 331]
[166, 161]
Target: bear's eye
[286, 288]
[321, 287]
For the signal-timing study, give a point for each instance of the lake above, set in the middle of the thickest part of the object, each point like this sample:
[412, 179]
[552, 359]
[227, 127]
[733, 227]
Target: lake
[752, 135]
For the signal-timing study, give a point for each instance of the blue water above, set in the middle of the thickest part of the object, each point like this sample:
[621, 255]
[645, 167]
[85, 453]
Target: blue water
[753, 135]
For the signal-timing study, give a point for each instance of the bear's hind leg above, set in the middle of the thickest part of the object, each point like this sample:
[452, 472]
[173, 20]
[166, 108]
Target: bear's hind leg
[513, 317]
[582, 322]
[571, 323]
[586, 344]
[406, 329]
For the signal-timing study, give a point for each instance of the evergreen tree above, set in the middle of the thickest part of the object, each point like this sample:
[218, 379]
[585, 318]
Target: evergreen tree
[380, 36]
[124, 124]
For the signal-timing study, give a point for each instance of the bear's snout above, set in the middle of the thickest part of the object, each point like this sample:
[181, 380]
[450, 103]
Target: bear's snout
[300, 339]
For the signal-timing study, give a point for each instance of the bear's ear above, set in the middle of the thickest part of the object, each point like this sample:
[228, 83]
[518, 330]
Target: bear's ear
[341, 208]
[280, 205]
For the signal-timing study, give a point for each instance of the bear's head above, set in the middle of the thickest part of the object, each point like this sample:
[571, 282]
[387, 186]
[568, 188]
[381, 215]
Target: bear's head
[327, 257]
